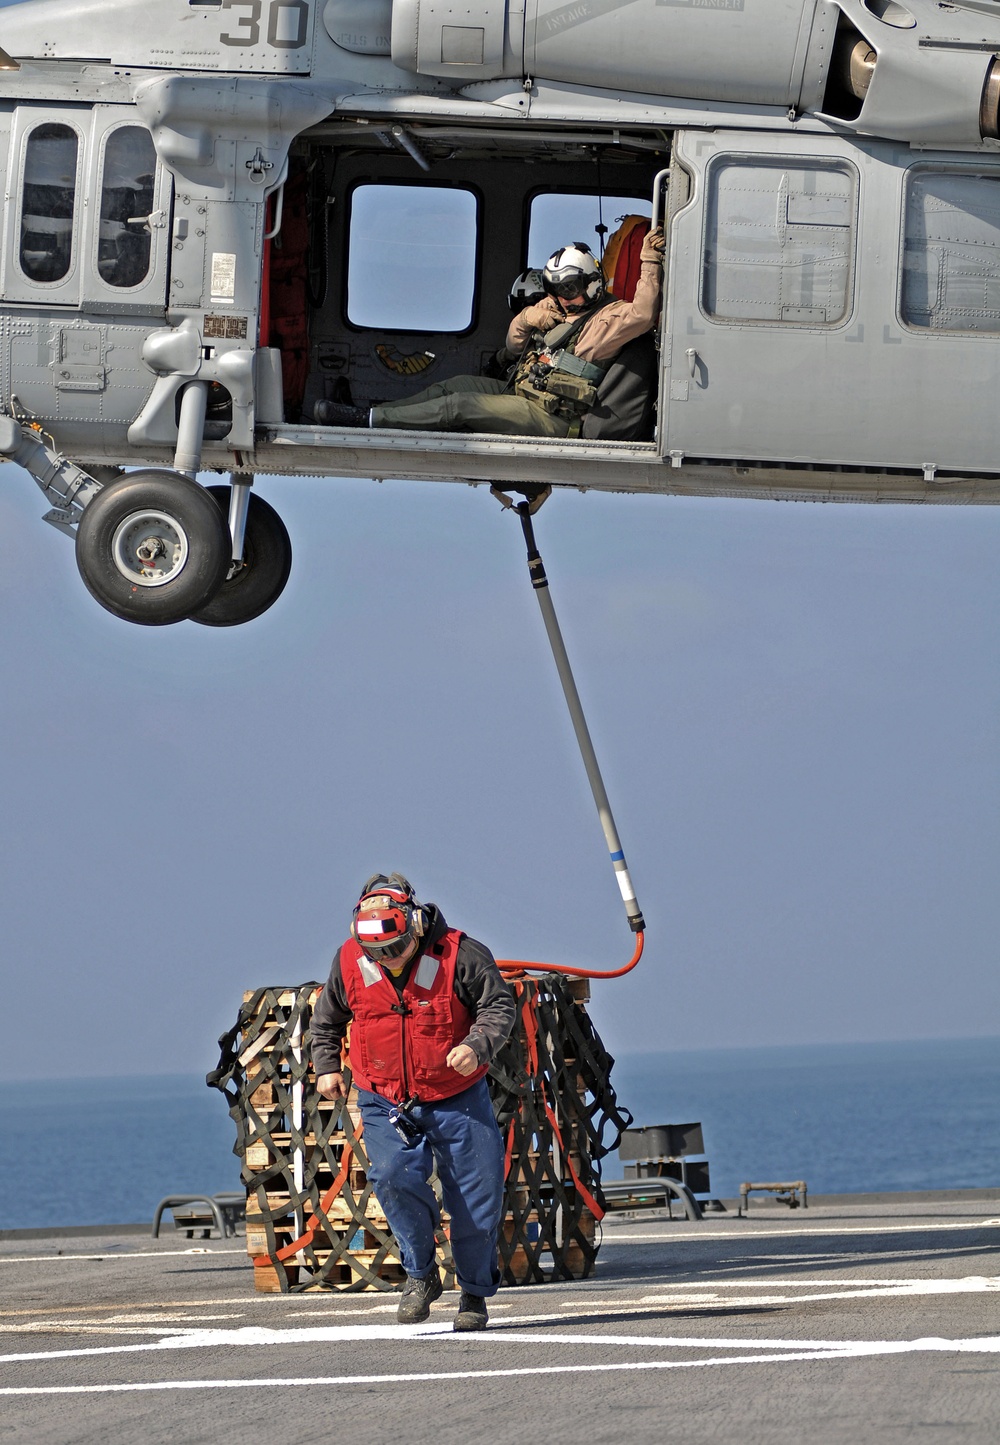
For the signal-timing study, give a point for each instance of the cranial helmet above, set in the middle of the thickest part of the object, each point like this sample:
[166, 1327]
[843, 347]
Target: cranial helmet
[527, 289]
[573, 271]
[387, 917]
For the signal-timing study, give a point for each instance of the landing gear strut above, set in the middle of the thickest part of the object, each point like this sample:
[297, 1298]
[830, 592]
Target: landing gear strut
[257, 576]
[155, 547]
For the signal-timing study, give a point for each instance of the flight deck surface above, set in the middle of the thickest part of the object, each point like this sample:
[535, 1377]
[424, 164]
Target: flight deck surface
[862, 1318]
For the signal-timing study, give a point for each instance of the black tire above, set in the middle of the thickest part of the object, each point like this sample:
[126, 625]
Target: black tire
[267, 561]
[164, 510]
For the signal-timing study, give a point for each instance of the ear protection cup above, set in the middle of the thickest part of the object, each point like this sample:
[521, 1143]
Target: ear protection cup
[419, 921]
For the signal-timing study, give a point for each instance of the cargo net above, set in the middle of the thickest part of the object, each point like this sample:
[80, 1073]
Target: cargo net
[312, 1219]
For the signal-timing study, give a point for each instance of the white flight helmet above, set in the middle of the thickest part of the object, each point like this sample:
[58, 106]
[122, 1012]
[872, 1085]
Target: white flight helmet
[526, 290]
[573, 271]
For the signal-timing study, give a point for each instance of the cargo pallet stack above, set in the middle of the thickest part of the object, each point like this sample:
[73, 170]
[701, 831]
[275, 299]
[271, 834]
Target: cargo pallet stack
[312, 1219]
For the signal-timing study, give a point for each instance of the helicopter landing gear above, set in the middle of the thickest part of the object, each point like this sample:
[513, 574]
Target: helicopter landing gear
[258, 578]
[153, 547]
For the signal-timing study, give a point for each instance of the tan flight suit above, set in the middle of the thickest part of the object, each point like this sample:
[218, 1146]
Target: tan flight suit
[480, 404]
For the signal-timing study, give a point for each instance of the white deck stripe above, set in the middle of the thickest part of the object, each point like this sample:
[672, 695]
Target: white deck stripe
[112, 1255]
[252, 1336]
[827, 1282]
[806, 1232]
[736, 1234]
[854, 1350]
[685, 1295]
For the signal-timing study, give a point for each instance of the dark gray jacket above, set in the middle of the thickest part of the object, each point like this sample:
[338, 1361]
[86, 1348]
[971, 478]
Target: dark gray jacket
[478, 985]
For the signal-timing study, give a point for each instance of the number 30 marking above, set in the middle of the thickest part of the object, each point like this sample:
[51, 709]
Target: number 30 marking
[251, 35]
[287, 25]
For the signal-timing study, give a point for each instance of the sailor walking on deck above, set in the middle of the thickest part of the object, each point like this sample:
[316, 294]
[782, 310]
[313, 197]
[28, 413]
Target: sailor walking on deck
[427, 1010]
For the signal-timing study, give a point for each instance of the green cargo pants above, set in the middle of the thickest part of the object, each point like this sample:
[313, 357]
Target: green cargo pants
[471, 403]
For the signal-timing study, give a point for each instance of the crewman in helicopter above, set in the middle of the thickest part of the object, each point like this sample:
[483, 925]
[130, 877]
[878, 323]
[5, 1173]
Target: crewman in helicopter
[564, 343]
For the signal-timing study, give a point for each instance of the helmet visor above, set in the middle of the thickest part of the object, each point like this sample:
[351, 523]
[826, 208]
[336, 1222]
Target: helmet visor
[382, 925]
[569, 287]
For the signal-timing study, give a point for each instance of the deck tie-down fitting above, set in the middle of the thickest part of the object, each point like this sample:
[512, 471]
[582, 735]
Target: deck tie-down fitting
[540, 583]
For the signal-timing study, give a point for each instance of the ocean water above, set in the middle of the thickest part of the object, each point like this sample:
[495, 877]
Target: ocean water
[106, 1151]
[845, 1117]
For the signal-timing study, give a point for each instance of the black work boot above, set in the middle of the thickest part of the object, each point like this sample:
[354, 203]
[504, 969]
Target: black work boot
[472, 1313]
[335, 413]
[418, 1296]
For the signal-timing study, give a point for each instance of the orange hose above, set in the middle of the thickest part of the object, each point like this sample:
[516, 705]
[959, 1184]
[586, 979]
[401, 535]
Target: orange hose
[520, 965]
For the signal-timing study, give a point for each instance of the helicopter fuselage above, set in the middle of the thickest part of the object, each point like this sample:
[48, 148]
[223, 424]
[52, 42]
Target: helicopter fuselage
[202, 197]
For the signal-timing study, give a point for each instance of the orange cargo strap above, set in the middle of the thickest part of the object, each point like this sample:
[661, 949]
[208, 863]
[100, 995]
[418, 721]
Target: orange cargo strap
[508, 1153]
[581, 1188]
[315, 1221]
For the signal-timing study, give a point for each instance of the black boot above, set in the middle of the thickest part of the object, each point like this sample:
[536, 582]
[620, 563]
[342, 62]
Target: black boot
[334, 413]
[418, 1296]
[472, 1313]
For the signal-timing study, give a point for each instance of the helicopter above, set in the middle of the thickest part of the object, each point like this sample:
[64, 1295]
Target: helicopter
[219, 213]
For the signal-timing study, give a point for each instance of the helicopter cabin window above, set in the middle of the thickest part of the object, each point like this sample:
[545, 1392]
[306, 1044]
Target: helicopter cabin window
[951, 252]
[779, 243]
[556, 218]
[48, 202]
[124, 239]
[412, 258]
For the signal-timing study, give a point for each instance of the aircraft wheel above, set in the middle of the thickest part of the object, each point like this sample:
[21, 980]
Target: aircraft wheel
[153, 547]
[260, 580]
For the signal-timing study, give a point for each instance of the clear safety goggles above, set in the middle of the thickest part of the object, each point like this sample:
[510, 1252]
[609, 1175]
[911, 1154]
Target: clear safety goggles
[573, 286]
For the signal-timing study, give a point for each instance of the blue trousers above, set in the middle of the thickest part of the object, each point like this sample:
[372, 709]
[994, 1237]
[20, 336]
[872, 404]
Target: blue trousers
[460, 1136]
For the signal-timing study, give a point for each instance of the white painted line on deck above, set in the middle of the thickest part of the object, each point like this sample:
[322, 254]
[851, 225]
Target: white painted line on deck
[798, 1351]
[252, 1336]
[971, 1283]
[964, 1282]
[805, 1232]
[112, 1255]
[711, 1300]
[746, 1227]
[152, 1305]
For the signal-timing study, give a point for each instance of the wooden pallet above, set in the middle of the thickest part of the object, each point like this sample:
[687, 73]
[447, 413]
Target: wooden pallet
[340, 1274]
[359, 1237]
[572, 1257]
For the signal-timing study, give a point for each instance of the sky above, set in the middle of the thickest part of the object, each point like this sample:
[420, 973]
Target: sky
[795, 707]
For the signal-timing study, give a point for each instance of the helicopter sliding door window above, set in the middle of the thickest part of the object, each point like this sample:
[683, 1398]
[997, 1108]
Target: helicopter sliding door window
[124, 242]
[779, 242]
[127, 234]
[951, 251]
[45, 212]
[48, 203]
[412, 258]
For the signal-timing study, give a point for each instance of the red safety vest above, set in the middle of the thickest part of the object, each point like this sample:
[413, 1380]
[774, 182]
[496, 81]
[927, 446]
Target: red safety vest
[398, 1045]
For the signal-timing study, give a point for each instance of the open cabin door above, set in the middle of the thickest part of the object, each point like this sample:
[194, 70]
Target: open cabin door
[411, 263]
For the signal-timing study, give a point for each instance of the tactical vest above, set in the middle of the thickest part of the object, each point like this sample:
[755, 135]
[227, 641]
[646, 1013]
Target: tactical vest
[553, 376]
[398, 1044]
